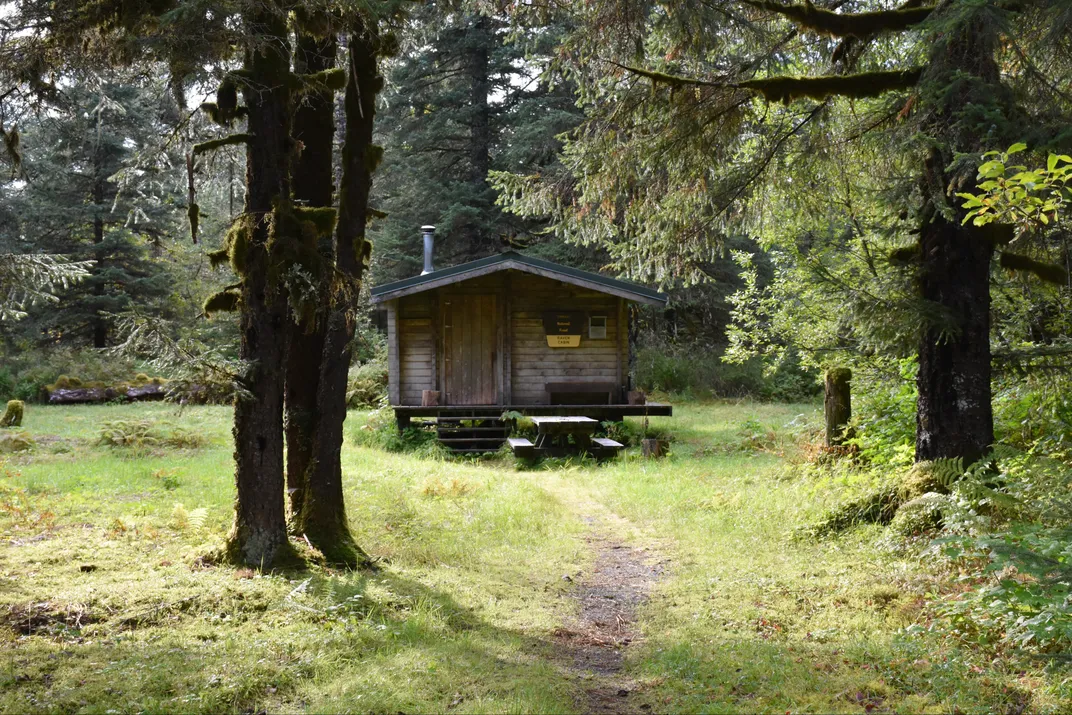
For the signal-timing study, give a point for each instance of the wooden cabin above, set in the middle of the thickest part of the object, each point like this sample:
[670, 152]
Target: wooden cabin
[511, 332]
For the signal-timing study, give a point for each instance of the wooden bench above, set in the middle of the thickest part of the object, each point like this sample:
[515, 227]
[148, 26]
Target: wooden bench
[604, 447]
[521, 446]
[606, 390]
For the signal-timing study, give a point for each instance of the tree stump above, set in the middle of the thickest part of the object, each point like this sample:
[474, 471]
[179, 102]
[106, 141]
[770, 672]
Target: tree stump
[837, 405]
[653, 448]
[13, 414]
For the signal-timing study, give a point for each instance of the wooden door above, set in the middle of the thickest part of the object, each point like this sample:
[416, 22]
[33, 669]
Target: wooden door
[470, 364]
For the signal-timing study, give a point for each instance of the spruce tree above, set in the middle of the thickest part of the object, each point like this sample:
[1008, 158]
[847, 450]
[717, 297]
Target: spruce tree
[464, 100]
[693, 108]
[77, 200]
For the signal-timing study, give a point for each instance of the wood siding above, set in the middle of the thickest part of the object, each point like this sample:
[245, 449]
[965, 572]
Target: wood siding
[533, 363]
[417, 351]
[424, 353]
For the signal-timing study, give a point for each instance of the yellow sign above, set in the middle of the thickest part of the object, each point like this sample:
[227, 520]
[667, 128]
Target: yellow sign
[563, 341]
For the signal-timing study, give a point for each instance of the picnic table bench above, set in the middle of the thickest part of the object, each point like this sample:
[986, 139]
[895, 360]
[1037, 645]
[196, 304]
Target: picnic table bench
[562, 436]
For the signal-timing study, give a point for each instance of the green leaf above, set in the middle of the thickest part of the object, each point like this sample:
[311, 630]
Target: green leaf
[1015, 148]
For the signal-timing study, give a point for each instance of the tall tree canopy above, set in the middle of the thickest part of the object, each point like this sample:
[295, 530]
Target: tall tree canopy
[698, 112]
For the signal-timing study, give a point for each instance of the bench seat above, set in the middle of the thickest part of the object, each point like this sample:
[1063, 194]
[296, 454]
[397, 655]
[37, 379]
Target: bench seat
[521, 446]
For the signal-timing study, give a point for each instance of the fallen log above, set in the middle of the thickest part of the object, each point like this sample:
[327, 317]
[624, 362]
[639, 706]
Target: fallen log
[84, 395]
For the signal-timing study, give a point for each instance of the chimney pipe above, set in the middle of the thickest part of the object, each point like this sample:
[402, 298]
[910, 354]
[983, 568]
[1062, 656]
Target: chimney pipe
[429, 246]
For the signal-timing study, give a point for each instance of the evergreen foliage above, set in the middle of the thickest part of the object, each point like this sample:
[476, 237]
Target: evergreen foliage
[464, 99]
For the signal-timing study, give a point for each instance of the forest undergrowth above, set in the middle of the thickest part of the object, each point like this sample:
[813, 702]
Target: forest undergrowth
[109, 599]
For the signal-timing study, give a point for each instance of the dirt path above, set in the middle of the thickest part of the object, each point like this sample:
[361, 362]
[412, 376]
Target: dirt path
[592, 645]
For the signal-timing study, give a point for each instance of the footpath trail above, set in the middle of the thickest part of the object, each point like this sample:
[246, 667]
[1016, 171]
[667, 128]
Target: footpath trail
[592, 643]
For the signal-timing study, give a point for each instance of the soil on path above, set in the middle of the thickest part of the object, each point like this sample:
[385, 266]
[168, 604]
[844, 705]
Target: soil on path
[592, 645]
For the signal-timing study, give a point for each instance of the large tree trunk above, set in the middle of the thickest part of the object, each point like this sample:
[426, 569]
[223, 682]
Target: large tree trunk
[312, 176]
[100, 327]
[963, 93]
[323, 516]
[259, 535]
[478, 69]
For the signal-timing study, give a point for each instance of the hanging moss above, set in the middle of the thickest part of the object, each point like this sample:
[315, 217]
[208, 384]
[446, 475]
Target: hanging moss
[863, 84]
[852, 24]
[227, 96]
[330, 80]
[218, 258]
[236, 244]
[671, 80]
[12, 144]
[193, 212]
[12, 416]
[321, 217]
[226, 301]
[213, 144]
[366, 253]
[373, 157]
[388, 45]
[906, 254]
[1048, 272]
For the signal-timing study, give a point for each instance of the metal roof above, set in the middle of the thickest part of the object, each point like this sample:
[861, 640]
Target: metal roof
[512, 260]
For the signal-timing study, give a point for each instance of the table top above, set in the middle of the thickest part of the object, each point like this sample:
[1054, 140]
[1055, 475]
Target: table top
[562, 420]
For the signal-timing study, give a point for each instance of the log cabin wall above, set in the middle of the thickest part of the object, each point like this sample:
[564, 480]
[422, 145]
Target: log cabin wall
[418, 329]
[533, 363]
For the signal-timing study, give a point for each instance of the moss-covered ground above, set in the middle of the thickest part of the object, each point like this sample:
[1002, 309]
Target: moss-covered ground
[107, 604]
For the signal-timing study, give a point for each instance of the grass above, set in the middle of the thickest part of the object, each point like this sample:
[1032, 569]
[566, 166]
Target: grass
[105, 603]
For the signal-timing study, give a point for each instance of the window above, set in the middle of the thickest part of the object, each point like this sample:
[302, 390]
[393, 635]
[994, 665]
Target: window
[597, 327]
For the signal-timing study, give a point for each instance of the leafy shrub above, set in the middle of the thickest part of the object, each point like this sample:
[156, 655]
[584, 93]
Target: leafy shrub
[148, 434]
[367, 383]
[884, 415]
[698, 371]
[380, 431]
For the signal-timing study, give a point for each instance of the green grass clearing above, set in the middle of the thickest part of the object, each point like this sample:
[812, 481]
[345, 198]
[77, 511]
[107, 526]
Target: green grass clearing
[106, 605]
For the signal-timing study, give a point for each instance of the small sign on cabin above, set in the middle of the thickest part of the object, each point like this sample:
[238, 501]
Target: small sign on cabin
[563, 328]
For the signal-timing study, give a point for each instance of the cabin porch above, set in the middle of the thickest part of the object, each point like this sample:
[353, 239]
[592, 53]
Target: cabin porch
[481, 428]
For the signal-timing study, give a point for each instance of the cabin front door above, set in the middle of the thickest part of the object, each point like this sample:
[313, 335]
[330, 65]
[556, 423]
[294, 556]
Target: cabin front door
[470, 324]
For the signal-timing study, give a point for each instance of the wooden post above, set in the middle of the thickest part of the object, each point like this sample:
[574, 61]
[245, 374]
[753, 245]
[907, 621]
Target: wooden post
[653, 448]
[623, 350]
[394, 372]
[508, 341]
[837, 405]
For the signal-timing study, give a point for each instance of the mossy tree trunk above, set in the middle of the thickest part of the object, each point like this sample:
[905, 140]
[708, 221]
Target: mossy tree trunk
[323, 515]
[963, 96]
[312, 176]
[259, 535]
[837, 404]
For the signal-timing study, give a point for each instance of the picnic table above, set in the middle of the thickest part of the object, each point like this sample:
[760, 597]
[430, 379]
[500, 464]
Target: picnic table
[554, 439]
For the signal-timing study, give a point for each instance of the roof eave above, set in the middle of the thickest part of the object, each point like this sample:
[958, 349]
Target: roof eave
[512, 264]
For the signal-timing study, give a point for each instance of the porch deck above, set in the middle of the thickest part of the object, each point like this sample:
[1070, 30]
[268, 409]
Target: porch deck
[599, 412]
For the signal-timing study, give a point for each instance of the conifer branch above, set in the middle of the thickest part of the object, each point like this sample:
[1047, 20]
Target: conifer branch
[860, 24]
[1049, 272]
[213, 144]
[857, 86]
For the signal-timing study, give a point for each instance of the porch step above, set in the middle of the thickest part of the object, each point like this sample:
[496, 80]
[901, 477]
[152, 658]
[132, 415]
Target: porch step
[486, 435]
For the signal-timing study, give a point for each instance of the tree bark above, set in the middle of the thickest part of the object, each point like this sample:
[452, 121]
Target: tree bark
[323, 516]
[100, 327]
[837, 404]
[962, 94]
[478, 68]
[259, 536]
[312, 177]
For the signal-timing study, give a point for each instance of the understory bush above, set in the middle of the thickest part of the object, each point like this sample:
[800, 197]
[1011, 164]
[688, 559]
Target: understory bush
[148, 434]
[698, 371]
[380, 431]
[27, 374]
